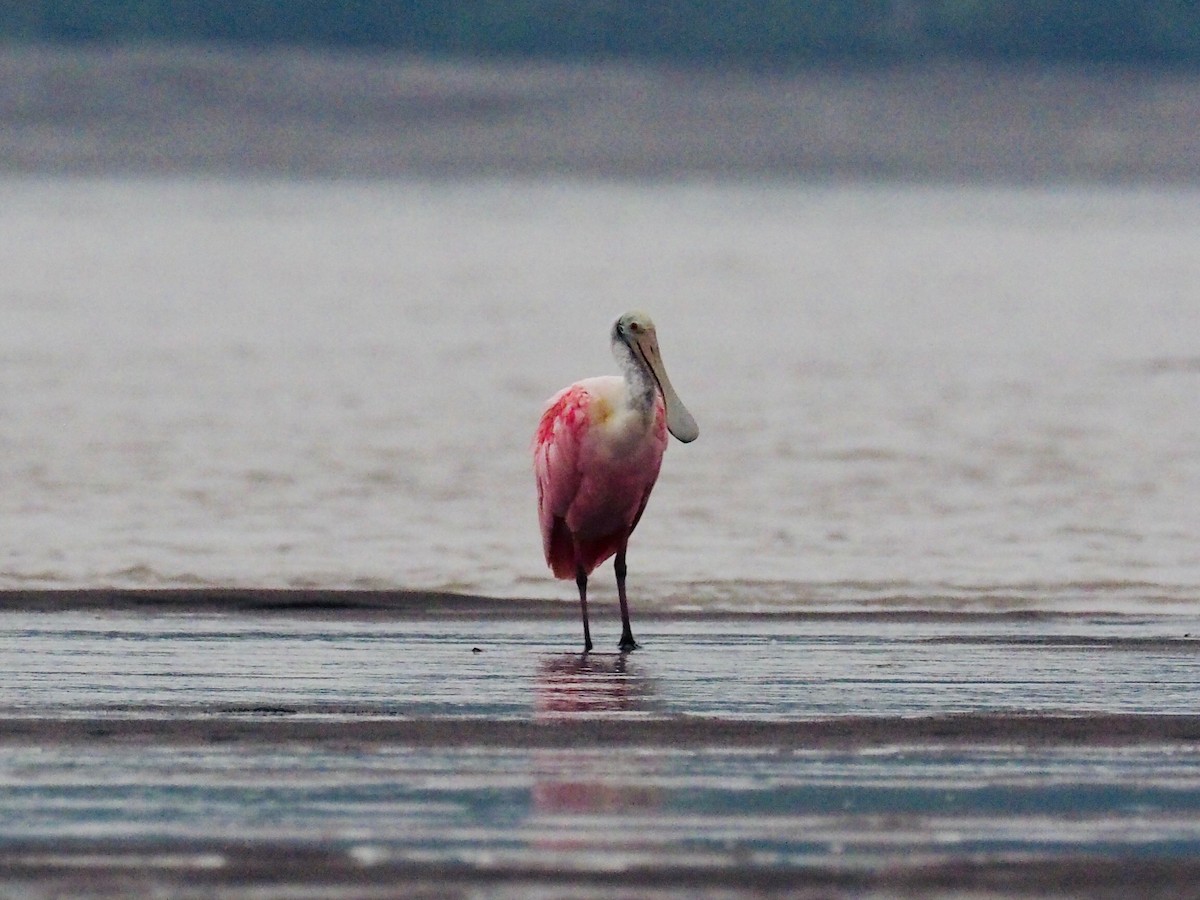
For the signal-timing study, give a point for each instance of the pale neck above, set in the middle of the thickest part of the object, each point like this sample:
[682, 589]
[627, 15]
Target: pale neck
[642, 387]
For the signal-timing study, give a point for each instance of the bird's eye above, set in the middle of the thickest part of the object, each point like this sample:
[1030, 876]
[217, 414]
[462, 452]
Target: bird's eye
[636, 328]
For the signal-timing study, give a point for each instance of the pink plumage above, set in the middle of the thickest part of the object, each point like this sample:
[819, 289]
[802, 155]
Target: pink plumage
[590, 497]
[596, 455]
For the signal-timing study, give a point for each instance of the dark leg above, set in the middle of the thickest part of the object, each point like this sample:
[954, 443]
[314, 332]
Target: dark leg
[581, 581]
[627, 641]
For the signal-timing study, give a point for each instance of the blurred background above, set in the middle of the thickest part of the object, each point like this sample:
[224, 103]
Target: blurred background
[284, 285]
[931, 89]
[693, 31]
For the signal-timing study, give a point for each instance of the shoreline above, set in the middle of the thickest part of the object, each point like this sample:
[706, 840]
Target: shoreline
[180, 110]
[223, 865]
[362, 725]
[400, 603]
[315, 602]
[195, 865]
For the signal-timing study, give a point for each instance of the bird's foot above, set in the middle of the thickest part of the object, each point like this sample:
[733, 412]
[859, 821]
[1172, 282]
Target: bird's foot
[628, 644]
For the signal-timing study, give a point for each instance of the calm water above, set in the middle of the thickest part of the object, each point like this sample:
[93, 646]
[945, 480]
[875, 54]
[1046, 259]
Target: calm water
[906, 395]
[88, 666]
[172, 806]
[579, 810]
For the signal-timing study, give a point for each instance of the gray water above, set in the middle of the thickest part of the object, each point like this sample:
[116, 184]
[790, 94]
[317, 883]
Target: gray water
[907, 395]
[580, 810]
[960, 399]
[382, 744]
[87, 666]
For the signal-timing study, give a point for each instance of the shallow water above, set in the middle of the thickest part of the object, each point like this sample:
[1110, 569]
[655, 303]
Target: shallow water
[906, 395]
[234, 754]
[572, 810]
[73, 665]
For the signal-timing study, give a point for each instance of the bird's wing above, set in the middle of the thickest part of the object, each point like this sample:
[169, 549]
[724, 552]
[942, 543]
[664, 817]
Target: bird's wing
[556, 446]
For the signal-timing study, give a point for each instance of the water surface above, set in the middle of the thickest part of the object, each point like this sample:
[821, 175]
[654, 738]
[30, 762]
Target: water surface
[905, 394]
[239, 755]
[74, 665]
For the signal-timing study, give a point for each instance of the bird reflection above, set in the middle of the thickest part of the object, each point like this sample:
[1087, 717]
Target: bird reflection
[590, 683]
[589, 780]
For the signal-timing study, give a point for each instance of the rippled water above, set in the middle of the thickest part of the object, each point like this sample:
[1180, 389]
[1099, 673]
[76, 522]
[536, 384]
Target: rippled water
[173, 747]
[905, 394]
[607, 811]
[79, 666]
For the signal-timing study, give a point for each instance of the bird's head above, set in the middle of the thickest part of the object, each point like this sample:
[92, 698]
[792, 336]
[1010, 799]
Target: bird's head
[635, 331]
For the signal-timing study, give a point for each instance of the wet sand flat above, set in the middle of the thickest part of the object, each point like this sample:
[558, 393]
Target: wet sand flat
[362, 745]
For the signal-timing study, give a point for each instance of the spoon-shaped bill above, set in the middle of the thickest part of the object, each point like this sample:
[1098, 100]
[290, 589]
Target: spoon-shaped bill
[679, 421]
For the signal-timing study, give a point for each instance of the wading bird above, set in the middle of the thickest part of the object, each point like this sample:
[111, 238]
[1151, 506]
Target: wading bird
[596, 455]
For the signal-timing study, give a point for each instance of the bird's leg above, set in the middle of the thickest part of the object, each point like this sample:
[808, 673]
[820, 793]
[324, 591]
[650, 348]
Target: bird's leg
[627, 641]
[581, 581]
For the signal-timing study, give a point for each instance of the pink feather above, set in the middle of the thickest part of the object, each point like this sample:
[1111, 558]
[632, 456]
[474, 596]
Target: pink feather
[591, 489]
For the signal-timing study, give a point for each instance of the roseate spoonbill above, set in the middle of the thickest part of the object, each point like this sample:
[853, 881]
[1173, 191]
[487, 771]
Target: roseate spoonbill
[596, 455]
